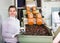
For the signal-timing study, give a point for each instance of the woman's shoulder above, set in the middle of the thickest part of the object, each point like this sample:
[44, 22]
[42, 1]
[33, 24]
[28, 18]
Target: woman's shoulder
[17, 20]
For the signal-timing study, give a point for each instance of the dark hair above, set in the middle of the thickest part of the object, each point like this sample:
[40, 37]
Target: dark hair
[12, 6]
[59, 13]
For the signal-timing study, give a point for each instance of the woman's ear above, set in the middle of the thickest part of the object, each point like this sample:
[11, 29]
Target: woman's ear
[16, 14]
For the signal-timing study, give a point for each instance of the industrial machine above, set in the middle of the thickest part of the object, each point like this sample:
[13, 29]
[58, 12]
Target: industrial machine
[33, 28]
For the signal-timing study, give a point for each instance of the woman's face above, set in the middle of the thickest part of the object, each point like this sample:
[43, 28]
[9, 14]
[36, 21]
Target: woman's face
[12, 12]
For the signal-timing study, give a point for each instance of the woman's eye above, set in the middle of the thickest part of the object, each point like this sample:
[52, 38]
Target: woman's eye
[14, 11]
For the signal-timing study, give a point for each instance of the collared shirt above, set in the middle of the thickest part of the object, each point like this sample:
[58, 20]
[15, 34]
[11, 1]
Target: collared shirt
[55, 21]
[10, 28]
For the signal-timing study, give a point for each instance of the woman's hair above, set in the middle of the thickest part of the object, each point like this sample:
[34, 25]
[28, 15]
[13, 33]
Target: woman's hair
[59, 13]
[12, 6]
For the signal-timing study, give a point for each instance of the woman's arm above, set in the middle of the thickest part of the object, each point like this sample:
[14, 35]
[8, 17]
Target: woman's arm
[57, 39]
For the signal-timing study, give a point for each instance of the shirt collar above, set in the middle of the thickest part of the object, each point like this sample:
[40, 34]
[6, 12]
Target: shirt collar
[12, 17]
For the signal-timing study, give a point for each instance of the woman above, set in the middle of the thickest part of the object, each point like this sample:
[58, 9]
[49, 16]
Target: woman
[11, 27]
[55, 20]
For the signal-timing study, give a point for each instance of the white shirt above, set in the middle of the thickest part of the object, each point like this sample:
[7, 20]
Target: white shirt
[57, 39]
[10, 28]
[55, 20]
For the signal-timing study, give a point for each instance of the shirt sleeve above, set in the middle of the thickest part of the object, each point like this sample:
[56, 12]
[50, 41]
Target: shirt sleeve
[18, 29]
[55, 17]
[5, 31]
[57, 39]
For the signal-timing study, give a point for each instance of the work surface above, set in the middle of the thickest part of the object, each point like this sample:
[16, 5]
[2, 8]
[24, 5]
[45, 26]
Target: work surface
[35, 39]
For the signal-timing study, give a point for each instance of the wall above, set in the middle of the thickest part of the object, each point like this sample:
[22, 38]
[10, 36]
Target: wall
[4, 4]
[46, 10]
